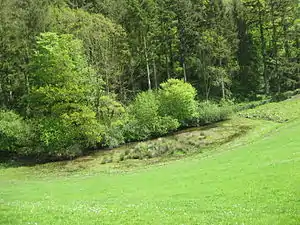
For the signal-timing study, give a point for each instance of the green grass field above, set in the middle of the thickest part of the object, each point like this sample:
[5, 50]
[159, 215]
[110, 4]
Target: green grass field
[255, 179]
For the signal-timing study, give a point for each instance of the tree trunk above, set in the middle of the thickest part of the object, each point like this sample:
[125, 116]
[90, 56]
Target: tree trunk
[27, 92]
[222, 81]
[107, 85]
[167, 65]
[207, 85]
[147, 63]
[223, 88]
[27, 85]
[155, 74]
[274, 47]
[171, 60]
[184, 72]
[97, 98]
[263, 51]
[132, 81]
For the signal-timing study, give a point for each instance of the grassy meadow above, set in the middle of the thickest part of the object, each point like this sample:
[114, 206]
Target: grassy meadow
[252, 180]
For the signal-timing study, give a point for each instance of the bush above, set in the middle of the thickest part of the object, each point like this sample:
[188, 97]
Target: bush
[210, 112]
[164, 125]
[112, 115]
[15, 133]
[113, 135]
[145, 107]
[82, 120]
[144, 119]
[177, 100]
[67, 134]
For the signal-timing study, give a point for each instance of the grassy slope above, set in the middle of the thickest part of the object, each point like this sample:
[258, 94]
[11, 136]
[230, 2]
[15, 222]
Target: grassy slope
[276, 111]
[254, 183]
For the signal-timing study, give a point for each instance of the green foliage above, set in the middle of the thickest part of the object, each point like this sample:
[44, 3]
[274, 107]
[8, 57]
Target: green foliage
[144, 118]
[109, 110]
[103, 40]
[15, 133]
[21, 22]
[61, 97]
[177, 100]
[112, 115]
[73, 130]
[84, 123]
[77, 63]
[209, 112]
[145, 107]
[59, 73]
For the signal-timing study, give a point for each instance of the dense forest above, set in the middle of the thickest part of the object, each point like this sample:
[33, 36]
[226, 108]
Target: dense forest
[77, 75]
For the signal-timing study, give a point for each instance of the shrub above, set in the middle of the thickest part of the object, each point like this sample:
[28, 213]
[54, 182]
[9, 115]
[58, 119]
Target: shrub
[163, 125]
[144, 119]
[82, 120]
[113, 116]
[73, 129]
[177, 100]
[145, 107]
[210, 112]
[109, 110]
[113, 136]
[15, 133]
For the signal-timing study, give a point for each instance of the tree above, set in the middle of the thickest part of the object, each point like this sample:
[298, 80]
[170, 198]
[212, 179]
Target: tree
[104, 43]
[61, 94]
[21, 21]
[246, 82]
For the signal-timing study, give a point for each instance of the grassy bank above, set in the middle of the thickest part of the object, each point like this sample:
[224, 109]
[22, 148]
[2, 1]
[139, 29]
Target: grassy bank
[254, 179]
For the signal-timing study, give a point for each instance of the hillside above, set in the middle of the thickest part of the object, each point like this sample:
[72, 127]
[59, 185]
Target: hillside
[254, 179]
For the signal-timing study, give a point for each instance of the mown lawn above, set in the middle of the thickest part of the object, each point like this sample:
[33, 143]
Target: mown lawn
[253, 180]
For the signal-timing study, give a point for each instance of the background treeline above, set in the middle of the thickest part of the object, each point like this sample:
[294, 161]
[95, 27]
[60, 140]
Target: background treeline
[73, 72]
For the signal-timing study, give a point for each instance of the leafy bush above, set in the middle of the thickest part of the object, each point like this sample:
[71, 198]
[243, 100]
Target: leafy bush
[144, 119]
[209, 112]
[73, 129]
[164, 125]
[177, 100]
[145, 107]
[15, 133]
[113, 135]
[112, 115]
